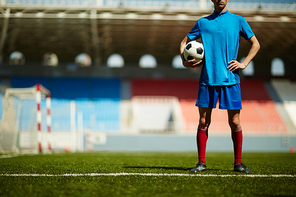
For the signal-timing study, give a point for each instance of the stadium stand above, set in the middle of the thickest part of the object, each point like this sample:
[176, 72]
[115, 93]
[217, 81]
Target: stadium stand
[97, 99]
[180, 88]
[99, 102]
[260, 113]
[184, 90]
[287, 93]
[259, 116]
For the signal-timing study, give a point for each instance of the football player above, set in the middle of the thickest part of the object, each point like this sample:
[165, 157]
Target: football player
[220, 33]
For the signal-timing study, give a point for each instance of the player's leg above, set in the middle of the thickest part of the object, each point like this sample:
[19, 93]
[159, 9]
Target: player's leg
[202, 132]
[206, 101]
[202, 137]
[237, 139]
[230, 99]
[236, 133]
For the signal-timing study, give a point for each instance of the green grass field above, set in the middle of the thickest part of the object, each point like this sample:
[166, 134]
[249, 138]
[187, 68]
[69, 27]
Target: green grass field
[48, 175]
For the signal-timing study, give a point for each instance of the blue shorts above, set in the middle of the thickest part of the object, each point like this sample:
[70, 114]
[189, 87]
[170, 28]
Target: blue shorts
[229, 97]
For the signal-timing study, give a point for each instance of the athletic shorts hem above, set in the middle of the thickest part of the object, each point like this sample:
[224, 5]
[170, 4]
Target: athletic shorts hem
[230, 108]
[206, 106]
[220, 107]
[229, 97]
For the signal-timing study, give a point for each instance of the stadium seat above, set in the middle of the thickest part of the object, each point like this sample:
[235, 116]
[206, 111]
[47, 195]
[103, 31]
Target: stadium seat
[259, 114]
[184, 90]
[97, 99]
[287, 93]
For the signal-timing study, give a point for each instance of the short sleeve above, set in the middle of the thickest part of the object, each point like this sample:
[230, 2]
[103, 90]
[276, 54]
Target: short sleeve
[194, 34]
[245, 29]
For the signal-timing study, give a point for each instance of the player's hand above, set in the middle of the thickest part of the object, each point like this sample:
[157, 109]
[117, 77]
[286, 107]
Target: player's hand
[234, 65]
[192, 63]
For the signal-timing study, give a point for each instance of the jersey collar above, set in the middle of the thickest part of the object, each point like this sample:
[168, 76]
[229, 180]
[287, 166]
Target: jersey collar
[220, 13]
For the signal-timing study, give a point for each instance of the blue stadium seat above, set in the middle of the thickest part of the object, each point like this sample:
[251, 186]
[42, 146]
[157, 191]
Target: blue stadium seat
[26, 82]
[97, 98]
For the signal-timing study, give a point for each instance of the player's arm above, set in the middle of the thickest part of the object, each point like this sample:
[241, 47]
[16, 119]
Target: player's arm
[255, 46]
[190, 63]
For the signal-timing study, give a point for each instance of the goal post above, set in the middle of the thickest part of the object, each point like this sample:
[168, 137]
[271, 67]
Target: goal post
[20, 127]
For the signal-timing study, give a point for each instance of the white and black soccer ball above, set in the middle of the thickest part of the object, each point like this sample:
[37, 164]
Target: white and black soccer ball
[194, 50]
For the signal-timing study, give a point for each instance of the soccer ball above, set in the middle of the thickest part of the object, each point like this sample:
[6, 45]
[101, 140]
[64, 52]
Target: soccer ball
[194, 50]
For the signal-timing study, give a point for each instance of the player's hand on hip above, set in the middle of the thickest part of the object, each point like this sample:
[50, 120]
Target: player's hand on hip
[234, 65]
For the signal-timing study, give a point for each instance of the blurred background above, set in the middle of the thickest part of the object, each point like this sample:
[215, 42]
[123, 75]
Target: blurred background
[116, 80]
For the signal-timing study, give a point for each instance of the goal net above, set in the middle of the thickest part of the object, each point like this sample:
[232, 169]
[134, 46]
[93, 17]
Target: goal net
[156, 114]
[21, 125]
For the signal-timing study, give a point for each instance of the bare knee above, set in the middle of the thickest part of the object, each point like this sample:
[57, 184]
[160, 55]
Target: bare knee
[204, 122]
[234, 120]
[204, 117]
[234, 124]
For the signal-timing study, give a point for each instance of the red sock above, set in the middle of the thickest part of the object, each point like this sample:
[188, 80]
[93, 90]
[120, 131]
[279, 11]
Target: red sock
[201, 140]
[237, 138]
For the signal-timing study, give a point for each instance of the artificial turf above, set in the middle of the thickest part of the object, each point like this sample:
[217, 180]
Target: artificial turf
[144, 162]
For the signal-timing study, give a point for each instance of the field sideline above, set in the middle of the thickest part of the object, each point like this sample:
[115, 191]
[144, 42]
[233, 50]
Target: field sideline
[146, 174]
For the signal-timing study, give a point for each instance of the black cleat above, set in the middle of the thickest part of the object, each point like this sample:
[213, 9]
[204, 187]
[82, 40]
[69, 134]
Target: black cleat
[199, 167]
[239, 167]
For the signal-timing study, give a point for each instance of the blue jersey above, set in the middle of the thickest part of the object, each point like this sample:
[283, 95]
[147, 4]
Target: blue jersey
[220, 34]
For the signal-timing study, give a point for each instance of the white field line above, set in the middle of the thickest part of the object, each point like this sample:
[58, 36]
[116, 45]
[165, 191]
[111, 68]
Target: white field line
[149, 174]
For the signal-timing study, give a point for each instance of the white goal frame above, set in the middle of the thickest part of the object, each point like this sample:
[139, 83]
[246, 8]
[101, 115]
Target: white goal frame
[36, 92]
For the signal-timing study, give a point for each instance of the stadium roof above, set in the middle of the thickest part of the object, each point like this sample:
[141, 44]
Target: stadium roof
[105, 28]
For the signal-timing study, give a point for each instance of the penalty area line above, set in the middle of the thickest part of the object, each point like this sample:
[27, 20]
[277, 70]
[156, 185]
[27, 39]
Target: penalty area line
[149, 174]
